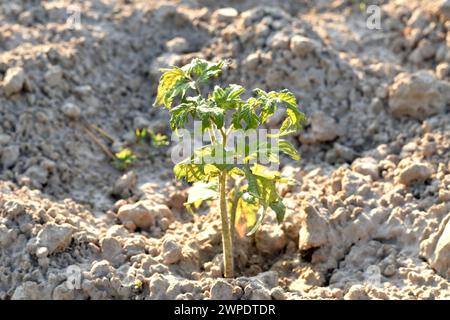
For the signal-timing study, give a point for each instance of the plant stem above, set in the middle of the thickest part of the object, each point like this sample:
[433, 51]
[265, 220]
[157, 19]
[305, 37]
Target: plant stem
[227, 240]
[236, 196]
[212, 136]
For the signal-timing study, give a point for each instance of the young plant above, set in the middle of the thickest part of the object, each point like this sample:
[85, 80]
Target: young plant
[124, 158]
[223, 113]
[362, 5]
[157, 139]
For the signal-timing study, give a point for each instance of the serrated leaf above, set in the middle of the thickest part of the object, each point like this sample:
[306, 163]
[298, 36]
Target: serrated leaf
[207, 112]
[201, 191]
[264, 172]
[197, 108]
[202, 155]
[261, 151]
[284, 96]
[211, 170]
[287, 148]
[190, 172]
[235, 171]
[179, 115]
[260, 190]
[173, 82]
[229, 97]
[268, 191]
[269, 102]
[247, 115]
[267, 111]
[294, 121]
[261, 183]
[203, 70]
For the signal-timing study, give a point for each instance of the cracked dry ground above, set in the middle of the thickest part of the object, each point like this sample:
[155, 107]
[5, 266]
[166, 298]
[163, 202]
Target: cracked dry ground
[370, 217]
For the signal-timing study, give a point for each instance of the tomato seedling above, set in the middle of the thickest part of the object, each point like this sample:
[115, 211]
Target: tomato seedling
[223, 113]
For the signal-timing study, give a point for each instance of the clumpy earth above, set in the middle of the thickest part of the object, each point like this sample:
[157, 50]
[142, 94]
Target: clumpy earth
[369, 218]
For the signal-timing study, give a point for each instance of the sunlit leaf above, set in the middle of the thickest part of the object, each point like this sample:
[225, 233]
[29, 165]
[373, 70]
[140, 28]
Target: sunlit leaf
[229, 97]
[201, 191]
[287, 148]
[190, 172]
[203, 70]
[235, 171]
[211, 170]
[245, 117]
[172, 83]
[179, 115]
[262, 171]
[245, 216]
[140, 134]
[158, 139]
[270, 101]
[124, 158]
[294, 121]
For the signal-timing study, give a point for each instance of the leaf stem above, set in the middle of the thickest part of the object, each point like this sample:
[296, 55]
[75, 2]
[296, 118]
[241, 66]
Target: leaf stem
[229, 130]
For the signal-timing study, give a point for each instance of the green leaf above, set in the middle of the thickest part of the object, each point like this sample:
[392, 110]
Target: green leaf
[124, 158]
[269, 102]
[158, 139]
[207, 111]
[264, 172]
[294, 121]
[190, 172]
[267, 111]
[261, 151]
[202, 155]
[246, 113]
[202, 191]
[268, 191]
[200, 168]
[287, 148]
[179, 115]
[211, 170]
[279, 208]
[258, 223]
[172, 83]
[252, 181]
[229, 97]
[140, 134]
[235, 171]
[261, 183]
[203, 70]
[197, 108]
[284, 96]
